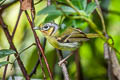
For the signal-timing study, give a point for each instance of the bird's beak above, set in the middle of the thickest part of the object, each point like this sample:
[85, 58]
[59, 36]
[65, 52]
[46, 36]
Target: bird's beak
[37, 28]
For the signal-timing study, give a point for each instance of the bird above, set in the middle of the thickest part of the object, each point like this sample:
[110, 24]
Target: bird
[70, 39]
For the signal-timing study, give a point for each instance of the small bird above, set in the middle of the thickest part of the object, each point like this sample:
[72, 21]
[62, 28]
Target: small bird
[70, 39]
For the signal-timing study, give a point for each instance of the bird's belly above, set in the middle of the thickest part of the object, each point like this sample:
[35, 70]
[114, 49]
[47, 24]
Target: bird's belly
[63, 46]
[66, 46]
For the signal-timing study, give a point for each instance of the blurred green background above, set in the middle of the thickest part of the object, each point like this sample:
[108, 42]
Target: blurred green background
[91, 53]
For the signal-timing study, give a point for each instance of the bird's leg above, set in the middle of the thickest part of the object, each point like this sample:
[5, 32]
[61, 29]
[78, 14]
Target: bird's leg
[64, 60]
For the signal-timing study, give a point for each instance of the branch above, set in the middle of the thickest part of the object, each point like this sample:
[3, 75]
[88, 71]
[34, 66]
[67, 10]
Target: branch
[63, 66]
[37, 63]
[99, 11]
[115, 64]
[36, 66]
[109, 55]
[3, 7]
[78, 66]
[13, 33]
[39, 45]
[12, 46]
[5, 70]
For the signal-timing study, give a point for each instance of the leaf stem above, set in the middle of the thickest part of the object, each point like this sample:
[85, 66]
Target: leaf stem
[91, 23]
[70, 4]
[99, 11]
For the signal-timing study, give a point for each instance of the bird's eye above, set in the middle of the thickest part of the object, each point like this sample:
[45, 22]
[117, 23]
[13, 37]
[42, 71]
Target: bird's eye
[46, 27]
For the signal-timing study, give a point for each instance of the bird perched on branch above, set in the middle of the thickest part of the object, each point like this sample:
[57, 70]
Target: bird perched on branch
[70, 39]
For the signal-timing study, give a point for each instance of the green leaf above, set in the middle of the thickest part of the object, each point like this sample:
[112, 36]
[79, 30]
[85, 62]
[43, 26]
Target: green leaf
[3, 63]
[90, 8]
[50, 18]
[6, 52]
[81, 4]
[50, 10]
[66, 23]
[80, 24]
[68, 10]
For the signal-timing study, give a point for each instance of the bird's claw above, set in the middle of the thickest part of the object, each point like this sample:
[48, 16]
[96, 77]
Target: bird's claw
[61, 62]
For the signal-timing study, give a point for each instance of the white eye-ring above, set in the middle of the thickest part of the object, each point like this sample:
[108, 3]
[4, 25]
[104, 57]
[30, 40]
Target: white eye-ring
[46, 27]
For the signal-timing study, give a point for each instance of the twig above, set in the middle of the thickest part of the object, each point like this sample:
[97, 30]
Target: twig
[3, 7]
[38, 2]
[13, 33]
[39, 46]
[36, 66]
[107, 53]
[109, 63]
[4, 27]
[78, 66]
[40, 56]
[34, 69]
[5, 70]
[92, 25]
[63, 66]
[23, 51]
[70, 4]
[110, 55]
[115, 64]
[63, 60]
[101, 16]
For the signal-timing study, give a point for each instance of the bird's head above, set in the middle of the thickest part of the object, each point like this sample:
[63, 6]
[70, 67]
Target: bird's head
[48, 28]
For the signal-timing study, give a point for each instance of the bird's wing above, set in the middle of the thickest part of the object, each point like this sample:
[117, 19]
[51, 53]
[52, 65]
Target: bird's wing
[74, 35]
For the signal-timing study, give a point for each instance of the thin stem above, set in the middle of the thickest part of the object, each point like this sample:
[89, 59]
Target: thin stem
[20, 12]
[63, 60]
[39, 46]
[12, 46]
[3, 7]
[63, 66]
[78, 66]
[38, 2]
[39, 60]
[35, 68]
[27, 48]
[5, 70]
[94, 27]
[23, 51]
[70, 4]
[40, 56]
[101, 16]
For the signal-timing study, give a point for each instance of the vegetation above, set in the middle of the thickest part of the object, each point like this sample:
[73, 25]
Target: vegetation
[26, 54]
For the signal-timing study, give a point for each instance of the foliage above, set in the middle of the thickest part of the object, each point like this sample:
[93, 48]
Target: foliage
[6, 52]
[93, 64]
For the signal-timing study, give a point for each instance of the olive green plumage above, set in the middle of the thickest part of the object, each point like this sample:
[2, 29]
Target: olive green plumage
[70, 39]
